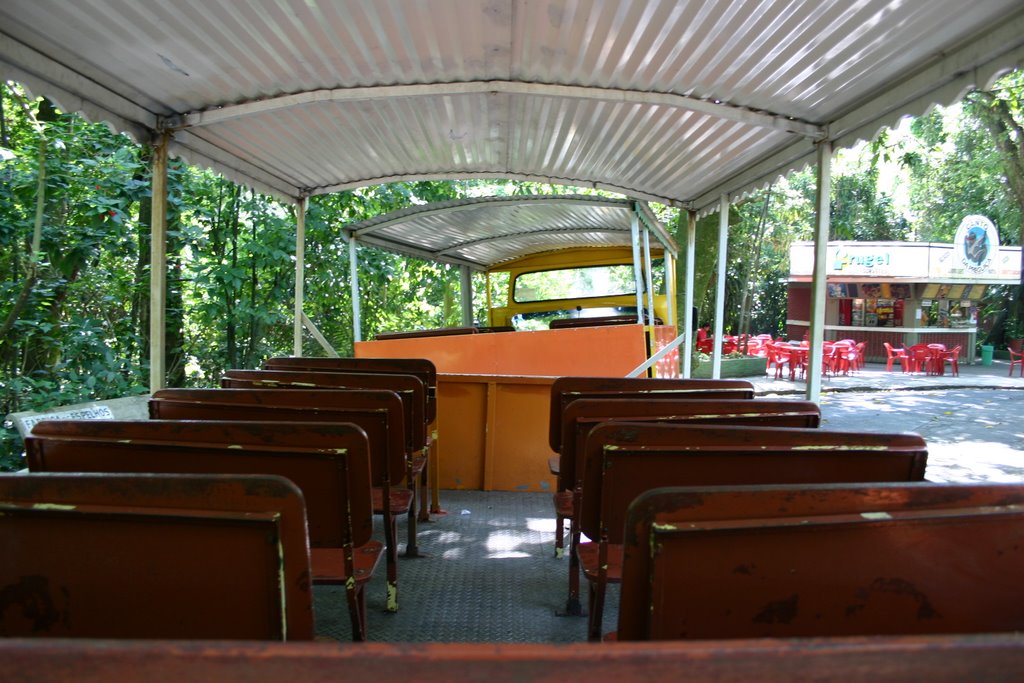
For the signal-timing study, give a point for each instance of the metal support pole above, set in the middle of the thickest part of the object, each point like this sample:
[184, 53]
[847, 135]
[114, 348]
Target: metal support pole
[670, 278]
[650, 276]
[300, 271]
[466, 294]
[158, 267]
[634, 229]
[353, 261]
[822, 223]
[691, 266]
[723, 246]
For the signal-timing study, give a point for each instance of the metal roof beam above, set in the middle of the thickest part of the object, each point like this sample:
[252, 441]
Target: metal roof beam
[500, 175]
[710, 107]
[424, 254]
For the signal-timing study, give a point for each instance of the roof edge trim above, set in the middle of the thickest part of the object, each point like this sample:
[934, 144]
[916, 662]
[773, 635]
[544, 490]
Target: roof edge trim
[72, 91]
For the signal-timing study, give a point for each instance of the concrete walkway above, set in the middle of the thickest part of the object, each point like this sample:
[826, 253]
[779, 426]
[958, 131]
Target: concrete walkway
[874, 377]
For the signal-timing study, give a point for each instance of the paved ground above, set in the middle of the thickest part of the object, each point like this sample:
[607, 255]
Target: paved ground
[974, 423]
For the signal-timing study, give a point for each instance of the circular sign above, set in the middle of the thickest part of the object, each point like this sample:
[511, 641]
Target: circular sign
[976, 243]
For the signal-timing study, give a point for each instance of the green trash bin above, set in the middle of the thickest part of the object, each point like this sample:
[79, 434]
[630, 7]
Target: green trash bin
[986, 354]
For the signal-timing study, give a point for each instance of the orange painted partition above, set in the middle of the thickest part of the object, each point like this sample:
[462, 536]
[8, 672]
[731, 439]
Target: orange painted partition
[493, 432]
[608, 351]
[494, 393]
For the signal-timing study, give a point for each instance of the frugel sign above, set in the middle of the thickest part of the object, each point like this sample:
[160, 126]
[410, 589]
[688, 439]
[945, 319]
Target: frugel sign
[869, 262]
[869, 259]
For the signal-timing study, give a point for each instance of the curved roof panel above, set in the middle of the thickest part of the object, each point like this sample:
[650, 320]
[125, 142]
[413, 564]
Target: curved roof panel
[678, 101]
[482, 232]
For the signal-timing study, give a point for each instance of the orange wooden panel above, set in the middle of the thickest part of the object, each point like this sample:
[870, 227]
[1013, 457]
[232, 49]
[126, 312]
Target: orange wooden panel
[605, 351]
[494, 432]
[518, 457]
[461, 419]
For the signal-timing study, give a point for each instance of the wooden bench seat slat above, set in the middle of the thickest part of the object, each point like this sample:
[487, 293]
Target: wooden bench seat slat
[623, 460]
[583, 415]
[378, 412]
[328, 462]
[148, 556]
[408, 387]
[833, 560]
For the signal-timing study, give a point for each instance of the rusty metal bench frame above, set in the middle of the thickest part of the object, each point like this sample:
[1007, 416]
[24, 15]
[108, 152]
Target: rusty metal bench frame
[408, 387]
[828, 561]
[154, 556]
[377, 412]
[625, 459]
[581, 416]
[331, 467]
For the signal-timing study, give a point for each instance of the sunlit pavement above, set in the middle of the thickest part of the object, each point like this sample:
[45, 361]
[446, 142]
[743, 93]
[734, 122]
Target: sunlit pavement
[973, 423]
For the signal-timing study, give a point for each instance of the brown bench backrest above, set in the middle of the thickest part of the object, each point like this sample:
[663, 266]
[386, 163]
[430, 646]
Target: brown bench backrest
[567, 389]
[438, 332]
[409, 388]
[422, 368]
[597, 321]
[143, 556]
[625, 459]
[377, 412]
[823, 561]
[328, 462]
[582, 415]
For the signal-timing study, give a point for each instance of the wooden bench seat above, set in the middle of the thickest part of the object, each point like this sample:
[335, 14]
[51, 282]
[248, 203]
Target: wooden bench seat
[409, 388]
[152, 556]
[781, 562]
[993, 658]
[328, 462]
[626, 459]
[379, 413]
[597, 321]
[567, 389]
[438, 332]
[421, 368]
[581, 416]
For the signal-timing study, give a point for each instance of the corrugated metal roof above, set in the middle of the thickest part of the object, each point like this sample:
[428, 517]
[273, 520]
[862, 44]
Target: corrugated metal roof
[482, 232]
[677, 101]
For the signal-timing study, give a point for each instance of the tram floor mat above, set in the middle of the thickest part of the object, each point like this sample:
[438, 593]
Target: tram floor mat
[490, 575]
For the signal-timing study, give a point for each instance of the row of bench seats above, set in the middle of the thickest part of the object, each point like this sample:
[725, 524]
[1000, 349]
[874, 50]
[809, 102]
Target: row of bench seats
[720, 523]
[342, 438]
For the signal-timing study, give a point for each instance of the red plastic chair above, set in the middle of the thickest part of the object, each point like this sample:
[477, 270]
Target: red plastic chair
[920, 358]
[953, 358]
[781, 357]
[860, 354]
[844, 356]
[1018, 360]
[892, 354]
